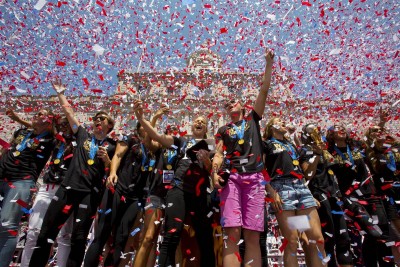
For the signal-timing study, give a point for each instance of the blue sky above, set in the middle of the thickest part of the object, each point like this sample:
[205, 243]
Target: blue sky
[329, 48]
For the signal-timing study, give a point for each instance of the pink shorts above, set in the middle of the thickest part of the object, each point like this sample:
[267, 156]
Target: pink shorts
[242, 202]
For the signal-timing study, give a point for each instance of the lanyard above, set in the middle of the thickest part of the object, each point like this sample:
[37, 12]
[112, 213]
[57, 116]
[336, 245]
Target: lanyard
[171, 155]
[60, 151]
[94, 147]
[392, 162]
[289, 148]
[144, 155]
[26, 140]
[240, 132]
[349, 154]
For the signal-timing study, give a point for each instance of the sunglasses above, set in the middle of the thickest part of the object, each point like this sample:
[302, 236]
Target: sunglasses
[101, 118]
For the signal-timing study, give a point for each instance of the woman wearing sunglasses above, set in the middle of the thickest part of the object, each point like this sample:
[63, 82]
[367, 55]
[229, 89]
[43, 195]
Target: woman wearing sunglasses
[81, 190]
[383, 158]
[316, 162]
[290, 195]
[239, 148]
[188, 181]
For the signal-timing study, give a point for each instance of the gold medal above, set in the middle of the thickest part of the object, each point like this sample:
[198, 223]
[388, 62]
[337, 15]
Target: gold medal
[330, 172]
[295, 162]
[241, 142]
[150, 169]
[143, 169]
[169, 167]
[17, 153]
[90, 161]
[57, 161]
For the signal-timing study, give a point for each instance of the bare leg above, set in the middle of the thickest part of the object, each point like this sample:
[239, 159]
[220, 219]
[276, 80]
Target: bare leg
[231, 248]
[291, 236]
[252, 256]
[314, 235]
[151, 230]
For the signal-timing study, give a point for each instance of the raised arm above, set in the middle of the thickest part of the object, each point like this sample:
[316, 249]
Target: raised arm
[383, 115]
[165, 140]
[68, 111]
[15, 117]
[259, 106]
[152, 145]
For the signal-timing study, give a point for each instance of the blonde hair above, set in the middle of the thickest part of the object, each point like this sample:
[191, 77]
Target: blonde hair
[268, 128]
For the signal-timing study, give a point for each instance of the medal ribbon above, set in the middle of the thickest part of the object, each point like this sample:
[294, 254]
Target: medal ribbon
[144, 156]
[60, 151]
[289, 148]
[171, 155]
[343, 156]
[94, 147]
[240, 132]
[392, 162]
[26, 140]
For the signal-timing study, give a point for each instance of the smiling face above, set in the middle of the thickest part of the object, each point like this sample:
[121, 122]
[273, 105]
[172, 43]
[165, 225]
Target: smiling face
[102, 124]
[199, 127]
[279, 126]
[380, 135]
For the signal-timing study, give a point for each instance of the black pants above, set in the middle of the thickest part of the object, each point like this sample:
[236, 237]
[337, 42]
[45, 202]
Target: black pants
[180, 204]
[334, 230]
[117, 222]
[84, 206]
[374, 250]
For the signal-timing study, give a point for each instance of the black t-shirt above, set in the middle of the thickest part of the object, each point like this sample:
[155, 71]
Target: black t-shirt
[24, 163]
[165, 159]
[324, 180]
[60, 161]
[245, 157]
[190, 176]
[278, 159]
[387, 171]
[81, 176]
[352, 179]
[130, 179]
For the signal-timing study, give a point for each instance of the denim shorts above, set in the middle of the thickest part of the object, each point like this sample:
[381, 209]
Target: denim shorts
[155, 202]
[294, 194]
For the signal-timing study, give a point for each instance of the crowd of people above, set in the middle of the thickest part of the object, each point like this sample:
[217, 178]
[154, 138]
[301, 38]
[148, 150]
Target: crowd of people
[338, 196]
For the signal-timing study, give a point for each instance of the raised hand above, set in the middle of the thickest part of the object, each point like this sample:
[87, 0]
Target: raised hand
[163, 110]
[58, 86]
[138, 108]
[269, 56]
[12, 115]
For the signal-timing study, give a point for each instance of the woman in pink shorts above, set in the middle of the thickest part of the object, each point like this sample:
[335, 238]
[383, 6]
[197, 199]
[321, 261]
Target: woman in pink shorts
[239, 150]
